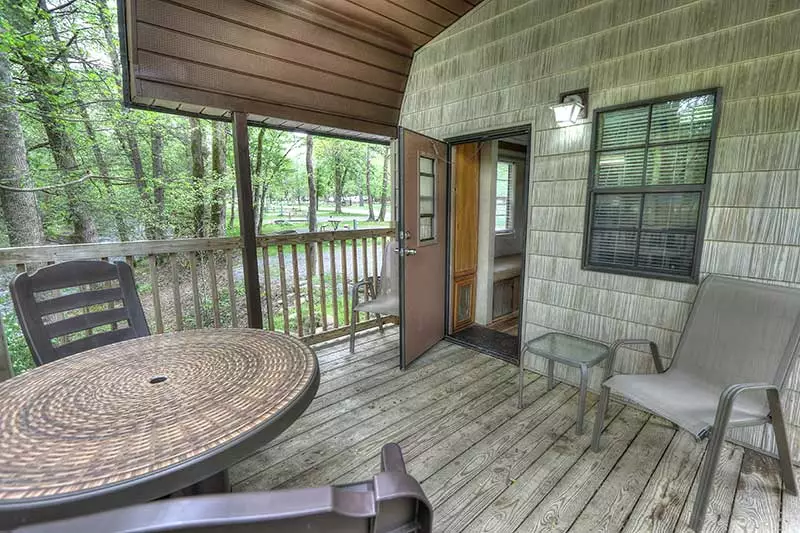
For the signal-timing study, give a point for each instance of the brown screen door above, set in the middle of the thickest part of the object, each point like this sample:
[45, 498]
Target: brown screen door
[422, 242]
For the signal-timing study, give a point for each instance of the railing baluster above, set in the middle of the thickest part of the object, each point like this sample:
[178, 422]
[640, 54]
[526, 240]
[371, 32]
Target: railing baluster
[198, 312]
[312, 328]
[156, 293]
[375, 270]
[212, 273]
[298, 308]
[364, 254]
[282, 265]
[334, 284]
[323, 302]
[355, 270]
[345, 293]
[268, 288]
[176, 292]
[231, 288]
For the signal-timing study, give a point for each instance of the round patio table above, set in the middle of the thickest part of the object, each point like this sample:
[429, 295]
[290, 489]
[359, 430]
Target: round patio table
[140, 419]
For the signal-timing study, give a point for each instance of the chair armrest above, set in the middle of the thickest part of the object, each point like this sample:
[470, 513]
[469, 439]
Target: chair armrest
[366, 284]
[729, 394]
[392, 459]
[614, 348]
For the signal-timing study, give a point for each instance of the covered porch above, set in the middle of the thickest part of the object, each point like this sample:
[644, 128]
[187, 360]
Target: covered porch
[450, 68]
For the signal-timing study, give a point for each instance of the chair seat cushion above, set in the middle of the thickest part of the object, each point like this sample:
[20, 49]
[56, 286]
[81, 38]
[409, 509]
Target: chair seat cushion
[687, 401]
[383, 304]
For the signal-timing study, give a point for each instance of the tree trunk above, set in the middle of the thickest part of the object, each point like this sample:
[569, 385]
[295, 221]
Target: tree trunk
[156, 152]
[261, 203]
[198, 175]
[233, 207]
[312, 201]
[39, 72]
[384, 185]
[371, 216]
[338, 186]
[219, 167]
[261, 184]
[20, 209]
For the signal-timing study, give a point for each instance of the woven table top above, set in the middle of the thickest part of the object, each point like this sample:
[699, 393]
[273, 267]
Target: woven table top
[129, 409]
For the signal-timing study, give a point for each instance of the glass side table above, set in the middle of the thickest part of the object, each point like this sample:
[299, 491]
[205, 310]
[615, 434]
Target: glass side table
[568, 350]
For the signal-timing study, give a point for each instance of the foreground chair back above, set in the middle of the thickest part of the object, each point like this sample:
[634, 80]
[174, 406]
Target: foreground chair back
[381, 300]
[392, 502]
[109, 311]
[728, 368]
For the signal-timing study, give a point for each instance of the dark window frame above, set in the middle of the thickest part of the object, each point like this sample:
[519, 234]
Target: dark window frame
[703, 188]
[432, 214]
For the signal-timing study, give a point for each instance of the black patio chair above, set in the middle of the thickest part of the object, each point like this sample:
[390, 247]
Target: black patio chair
[392, 502]
[40, 311]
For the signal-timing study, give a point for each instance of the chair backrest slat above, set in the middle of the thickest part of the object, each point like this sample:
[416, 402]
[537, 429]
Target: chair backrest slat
[78, 300]
[740, 331]
[95, 341]
[27, 289]
[72, 274]
[86, 321]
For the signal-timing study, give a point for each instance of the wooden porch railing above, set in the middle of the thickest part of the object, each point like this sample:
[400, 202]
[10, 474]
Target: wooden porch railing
[194, 283]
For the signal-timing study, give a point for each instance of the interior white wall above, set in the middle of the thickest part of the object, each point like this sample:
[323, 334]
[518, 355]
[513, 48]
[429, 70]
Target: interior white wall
[486, 208]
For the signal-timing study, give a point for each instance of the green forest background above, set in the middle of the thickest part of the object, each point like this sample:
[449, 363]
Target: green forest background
[77, 166]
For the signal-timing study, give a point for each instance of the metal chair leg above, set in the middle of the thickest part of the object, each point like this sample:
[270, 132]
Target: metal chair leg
[353, 331]
[782, 442]
[711, 461]
[582, 400]
[600, 417]
[521, 377]
[380, 322]
[551, 382]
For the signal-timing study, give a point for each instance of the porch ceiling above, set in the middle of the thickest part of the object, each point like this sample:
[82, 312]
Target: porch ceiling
[336, 67]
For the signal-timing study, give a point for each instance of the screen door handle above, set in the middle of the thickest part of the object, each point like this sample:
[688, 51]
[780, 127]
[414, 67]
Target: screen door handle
[405, 251]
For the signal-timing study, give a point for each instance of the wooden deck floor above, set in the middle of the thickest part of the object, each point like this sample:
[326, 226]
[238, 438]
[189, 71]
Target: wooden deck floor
[487, 466]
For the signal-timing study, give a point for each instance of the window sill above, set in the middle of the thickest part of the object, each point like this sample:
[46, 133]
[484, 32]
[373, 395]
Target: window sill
[693, 279]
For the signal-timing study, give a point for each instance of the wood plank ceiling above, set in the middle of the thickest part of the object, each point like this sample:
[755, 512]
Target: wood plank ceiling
[327, 66]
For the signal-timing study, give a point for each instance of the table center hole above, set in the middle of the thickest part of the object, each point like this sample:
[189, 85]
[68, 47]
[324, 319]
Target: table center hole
[158, 379]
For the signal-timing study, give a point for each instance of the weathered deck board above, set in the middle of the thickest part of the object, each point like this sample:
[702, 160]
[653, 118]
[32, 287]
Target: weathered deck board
[488, 466]
[620, 490]
[657, 510]
[757, 505]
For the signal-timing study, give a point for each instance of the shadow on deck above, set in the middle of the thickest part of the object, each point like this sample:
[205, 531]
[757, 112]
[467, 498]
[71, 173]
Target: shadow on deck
[488, 466]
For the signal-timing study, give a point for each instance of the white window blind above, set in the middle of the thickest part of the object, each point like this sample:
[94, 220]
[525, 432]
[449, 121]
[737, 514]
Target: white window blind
[648, 186]
[504, 195]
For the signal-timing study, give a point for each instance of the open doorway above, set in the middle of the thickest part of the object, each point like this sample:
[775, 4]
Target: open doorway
[488, 226]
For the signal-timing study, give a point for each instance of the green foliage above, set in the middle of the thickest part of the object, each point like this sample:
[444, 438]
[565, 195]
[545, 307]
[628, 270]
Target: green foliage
[20, 355]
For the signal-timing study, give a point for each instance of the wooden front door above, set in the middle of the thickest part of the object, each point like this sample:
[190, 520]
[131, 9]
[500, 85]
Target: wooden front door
[466, 183]
[422, 242]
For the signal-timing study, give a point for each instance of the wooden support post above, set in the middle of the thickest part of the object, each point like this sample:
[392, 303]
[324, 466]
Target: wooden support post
[247, 224]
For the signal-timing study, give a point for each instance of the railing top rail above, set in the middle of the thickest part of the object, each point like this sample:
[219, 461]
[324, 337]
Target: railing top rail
[70, 252]
[322, 236]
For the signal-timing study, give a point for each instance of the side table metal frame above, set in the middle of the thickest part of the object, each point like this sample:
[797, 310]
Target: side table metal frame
[552, 359]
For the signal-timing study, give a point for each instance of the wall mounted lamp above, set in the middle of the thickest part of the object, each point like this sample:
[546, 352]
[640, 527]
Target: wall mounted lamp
[572, 107]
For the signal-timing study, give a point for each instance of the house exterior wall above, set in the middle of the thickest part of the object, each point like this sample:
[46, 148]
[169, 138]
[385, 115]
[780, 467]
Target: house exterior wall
[507, 61]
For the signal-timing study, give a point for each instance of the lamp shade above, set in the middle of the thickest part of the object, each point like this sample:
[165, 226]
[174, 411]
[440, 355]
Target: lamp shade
[567, 113]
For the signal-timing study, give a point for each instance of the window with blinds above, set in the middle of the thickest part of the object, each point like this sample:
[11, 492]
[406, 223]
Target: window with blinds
[504, 197]
[648, 186]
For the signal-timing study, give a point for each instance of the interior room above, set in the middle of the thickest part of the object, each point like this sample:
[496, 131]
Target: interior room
[488, 227]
